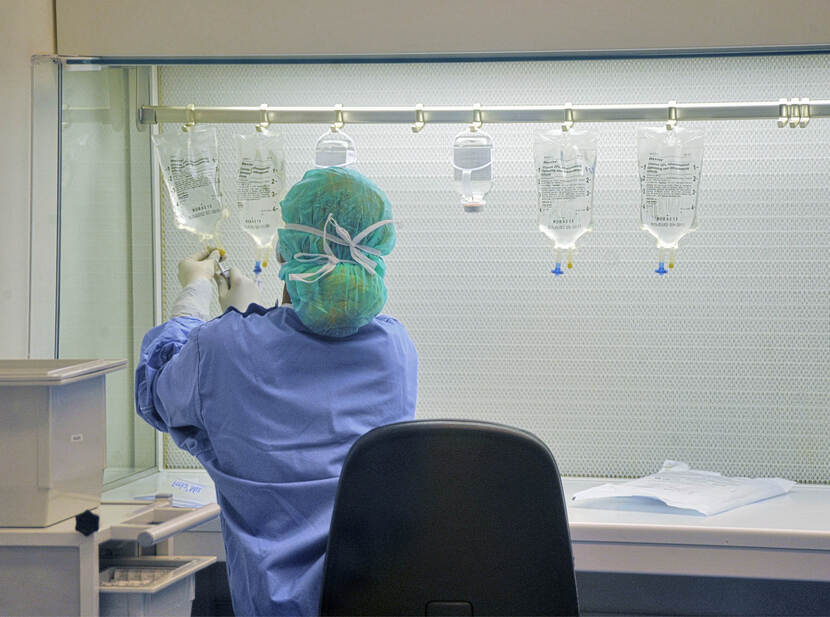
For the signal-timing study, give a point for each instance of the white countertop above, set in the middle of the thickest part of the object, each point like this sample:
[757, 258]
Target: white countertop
[161, 482]
[785, 537]
[798, 520]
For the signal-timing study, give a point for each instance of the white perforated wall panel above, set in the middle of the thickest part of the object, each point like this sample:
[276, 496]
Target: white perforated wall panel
[724, 363]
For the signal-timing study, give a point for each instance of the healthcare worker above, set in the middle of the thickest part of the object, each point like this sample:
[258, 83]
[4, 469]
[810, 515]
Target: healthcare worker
[271, 399]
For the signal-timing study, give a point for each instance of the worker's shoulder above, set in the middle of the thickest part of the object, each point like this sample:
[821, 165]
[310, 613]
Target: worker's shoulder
[391, 325]
[388, 321]
[233, 321]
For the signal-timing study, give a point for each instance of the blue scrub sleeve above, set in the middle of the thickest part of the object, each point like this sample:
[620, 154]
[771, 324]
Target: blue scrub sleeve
[167, 382]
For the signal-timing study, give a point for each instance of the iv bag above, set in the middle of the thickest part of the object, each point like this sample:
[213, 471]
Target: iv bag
[335, 149]
[670, 165]
[565, 164]
[190, 167]
[472, 158]
[260, 185]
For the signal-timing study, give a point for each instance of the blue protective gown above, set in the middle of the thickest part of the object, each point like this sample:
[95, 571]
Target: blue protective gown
[271, 409]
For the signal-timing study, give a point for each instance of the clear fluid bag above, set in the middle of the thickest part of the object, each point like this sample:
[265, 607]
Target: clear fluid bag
[472, 158]
[190, 167]
[260, 185]
[670, 166]
[334, 148]
[565, 164]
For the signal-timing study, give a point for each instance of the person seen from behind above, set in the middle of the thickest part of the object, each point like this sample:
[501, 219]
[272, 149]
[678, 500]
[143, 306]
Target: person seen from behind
[269, 400]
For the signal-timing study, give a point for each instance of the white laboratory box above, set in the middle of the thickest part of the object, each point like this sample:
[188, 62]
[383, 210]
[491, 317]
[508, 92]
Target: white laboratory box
[52, 438]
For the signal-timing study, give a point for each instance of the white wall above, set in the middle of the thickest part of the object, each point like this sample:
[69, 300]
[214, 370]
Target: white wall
[384, 27]
[26, 28]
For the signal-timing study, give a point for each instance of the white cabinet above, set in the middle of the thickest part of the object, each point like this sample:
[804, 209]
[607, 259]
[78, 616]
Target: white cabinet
[55, 570]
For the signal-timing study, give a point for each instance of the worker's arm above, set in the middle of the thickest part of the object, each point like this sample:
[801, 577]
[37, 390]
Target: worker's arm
[167, 378]
[167, 388]
[167, 382]
[195, 274]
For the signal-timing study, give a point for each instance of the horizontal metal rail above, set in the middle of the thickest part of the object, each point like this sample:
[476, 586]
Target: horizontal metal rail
[794, 112]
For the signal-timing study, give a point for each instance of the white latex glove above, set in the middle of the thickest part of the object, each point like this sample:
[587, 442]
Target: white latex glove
[195, 273]
[240, 293]
[194, 300]
[200, 265]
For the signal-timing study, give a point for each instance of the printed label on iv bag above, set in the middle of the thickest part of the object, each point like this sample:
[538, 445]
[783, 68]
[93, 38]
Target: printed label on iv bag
[564, 187]
[190, 167]
[257, 180]
[670, 166]
[565, 164]
[260, 184]
[257, 196]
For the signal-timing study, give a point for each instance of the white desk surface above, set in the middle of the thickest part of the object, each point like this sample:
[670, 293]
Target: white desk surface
[786, 537]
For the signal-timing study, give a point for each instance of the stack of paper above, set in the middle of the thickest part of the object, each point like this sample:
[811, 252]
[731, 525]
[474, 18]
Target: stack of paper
[679, 486]
[185, 494]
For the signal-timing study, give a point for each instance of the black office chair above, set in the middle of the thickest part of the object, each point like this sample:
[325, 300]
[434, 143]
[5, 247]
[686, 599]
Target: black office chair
[446, 517]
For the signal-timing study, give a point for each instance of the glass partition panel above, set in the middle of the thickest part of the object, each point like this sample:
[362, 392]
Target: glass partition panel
[105, 257]
[724, 362]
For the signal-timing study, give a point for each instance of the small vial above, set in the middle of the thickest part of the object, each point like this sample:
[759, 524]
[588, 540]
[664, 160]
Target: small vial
[473, 163]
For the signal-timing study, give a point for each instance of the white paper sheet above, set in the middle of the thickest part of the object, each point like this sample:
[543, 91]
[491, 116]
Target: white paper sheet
[678, 486]
[185, 494]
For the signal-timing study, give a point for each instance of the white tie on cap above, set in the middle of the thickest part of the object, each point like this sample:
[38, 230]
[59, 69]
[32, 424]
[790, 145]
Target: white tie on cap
[359, 252]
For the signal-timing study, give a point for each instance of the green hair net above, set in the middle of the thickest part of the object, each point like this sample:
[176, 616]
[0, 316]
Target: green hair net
[335, 283]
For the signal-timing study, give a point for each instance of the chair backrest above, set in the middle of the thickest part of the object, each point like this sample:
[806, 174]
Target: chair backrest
[449, 517]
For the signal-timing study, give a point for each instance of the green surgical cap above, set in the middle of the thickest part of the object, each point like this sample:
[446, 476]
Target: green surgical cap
[337, 297]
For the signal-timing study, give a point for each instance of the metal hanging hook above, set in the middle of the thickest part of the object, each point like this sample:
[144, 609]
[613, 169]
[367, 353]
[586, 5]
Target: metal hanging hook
[671, 121]
[804, 112]
[477, 122]
[783, 113]
[338, 118]
[568, 119]
[189, 117]
[419, 119]
[264, 120]
[795, 113]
